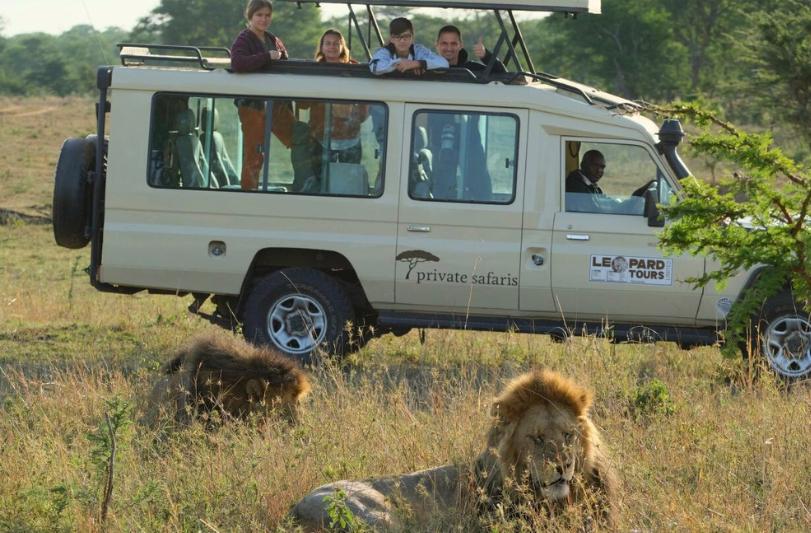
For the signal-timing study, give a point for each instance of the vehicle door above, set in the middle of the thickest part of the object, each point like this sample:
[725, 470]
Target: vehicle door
[605, 257]
[459, 225]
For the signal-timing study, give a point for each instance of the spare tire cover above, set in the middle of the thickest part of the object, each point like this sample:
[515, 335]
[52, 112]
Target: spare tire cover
[72, 193]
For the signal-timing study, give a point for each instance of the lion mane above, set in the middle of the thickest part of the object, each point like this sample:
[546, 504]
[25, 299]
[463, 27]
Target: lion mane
[543, 447]
[216, 372]
[542, 453]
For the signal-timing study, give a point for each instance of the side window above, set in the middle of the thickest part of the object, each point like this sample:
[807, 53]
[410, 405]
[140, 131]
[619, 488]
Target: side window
[610, 178]
[463, 157]
[313, 147]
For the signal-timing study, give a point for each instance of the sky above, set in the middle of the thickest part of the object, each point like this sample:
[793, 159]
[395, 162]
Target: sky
[58, 16]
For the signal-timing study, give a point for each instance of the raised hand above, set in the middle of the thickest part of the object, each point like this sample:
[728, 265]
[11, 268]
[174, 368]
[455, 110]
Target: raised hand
[478, 49]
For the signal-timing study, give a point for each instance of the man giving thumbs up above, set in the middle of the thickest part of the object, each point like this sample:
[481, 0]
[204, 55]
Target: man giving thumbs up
[449, 45]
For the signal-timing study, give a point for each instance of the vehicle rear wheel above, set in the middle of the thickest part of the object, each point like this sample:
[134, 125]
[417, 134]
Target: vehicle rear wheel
[783, 338]
[296, 311]
[72, 194]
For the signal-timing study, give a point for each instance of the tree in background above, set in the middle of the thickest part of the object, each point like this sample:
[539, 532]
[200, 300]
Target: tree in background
[703, 28]
[64, 64]
[45, 75]
[780, 59]
[629, 50]
[4, 82]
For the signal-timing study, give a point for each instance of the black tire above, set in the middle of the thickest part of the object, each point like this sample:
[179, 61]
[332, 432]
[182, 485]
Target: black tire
[296, 311]
[72, 193]
[782, 336]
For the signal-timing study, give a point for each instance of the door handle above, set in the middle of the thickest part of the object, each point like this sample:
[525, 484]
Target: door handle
[577, 237]
[419, 228]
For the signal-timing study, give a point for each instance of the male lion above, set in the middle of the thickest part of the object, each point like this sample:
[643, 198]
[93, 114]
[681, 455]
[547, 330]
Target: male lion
[218, 372]
[543, 453]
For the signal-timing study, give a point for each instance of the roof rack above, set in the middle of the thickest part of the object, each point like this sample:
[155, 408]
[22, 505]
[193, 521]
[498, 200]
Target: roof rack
[566, 6]
[554, 81]
[138, 54]
[589, 94]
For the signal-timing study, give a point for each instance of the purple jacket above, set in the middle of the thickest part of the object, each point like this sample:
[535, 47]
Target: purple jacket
[248, 53]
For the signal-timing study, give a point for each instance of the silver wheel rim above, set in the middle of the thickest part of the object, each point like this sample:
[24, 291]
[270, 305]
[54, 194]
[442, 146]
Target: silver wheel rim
[787, 345]
[297, 323]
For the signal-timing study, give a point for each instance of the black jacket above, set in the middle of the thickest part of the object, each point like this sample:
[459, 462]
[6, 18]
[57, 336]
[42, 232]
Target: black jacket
[475, 66]
[576, 181]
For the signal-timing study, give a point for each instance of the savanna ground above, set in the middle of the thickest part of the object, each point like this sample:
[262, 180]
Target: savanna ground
[698, 443]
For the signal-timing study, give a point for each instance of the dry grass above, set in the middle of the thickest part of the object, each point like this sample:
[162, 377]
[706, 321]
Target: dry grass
[726, 453]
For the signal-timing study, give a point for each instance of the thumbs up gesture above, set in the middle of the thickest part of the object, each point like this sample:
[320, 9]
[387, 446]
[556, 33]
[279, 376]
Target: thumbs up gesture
[479, 49]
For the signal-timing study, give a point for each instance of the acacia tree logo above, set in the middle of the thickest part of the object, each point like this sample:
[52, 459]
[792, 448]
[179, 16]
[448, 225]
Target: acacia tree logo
[414, 257]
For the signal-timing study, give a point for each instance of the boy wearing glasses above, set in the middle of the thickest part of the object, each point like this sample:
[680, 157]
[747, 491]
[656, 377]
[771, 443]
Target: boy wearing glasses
[402, 54]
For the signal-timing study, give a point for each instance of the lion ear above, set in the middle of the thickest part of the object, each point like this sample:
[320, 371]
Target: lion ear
[254, 389]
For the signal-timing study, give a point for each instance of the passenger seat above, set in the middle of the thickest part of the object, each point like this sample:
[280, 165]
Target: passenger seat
[189, 152]
[221, 167]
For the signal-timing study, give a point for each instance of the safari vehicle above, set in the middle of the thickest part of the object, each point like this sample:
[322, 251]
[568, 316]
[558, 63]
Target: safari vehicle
[454, 213]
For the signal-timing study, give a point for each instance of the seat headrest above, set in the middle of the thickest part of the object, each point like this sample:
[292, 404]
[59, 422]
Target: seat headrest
[185, 122]
[420, 138]
[204, 119]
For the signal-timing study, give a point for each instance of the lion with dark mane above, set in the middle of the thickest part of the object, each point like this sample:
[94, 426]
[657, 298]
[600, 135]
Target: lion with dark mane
[217, 372]
[543, 453]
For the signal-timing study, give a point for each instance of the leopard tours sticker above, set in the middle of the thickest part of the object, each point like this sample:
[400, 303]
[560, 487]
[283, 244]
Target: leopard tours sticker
[636, 270]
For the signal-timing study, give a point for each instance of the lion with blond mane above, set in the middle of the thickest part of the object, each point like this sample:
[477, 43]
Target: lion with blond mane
[543, 453]
[217, 372]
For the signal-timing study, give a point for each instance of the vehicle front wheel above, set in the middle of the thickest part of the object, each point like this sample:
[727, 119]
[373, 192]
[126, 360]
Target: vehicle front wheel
[784, 338]
[297, 310]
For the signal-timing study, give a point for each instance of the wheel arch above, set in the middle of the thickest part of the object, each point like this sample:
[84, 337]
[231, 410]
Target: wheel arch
[752, 279]
[330, 262]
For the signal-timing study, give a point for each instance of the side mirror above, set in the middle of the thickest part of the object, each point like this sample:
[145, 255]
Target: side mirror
[655, 218]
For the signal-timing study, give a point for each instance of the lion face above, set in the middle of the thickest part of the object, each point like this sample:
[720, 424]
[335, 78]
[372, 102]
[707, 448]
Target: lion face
[545, 447]
[543, 440]
[258, 396]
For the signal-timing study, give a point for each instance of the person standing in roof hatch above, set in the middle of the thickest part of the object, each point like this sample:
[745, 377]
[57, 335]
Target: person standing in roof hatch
[403, 54]
[255, 49]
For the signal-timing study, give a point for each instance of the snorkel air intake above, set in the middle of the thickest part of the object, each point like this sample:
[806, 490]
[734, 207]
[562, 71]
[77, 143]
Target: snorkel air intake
[670, 135]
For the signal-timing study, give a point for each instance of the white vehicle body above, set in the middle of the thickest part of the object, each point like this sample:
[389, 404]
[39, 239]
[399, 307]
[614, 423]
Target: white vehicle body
[379, 233]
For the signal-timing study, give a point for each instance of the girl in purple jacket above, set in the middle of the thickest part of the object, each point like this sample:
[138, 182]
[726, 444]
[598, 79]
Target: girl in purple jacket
[253, 50]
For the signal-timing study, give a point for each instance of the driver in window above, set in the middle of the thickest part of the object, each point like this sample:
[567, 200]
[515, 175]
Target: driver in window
[585, 178]
[588, 197]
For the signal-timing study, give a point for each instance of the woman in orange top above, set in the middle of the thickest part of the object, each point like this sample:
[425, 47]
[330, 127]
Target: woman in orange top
[343, 138]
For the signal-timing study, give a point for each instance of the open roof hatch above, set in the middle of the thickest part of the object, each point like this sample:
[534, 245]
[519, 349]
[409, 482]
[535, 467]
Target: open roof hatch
[509, 46]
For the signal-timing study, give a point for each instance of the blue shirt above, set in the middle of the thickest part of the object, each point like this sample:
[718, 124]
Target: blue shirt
[385, 59]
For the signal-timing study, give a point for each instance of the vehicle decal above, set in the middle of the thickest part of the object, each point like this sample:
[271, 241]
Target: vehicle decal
[635, 270]
[415, 257]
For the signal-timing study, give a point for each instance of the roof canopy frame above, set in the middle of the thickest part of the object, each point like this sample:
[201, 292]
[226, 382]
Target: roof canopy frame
[566, 6]
[513, 43]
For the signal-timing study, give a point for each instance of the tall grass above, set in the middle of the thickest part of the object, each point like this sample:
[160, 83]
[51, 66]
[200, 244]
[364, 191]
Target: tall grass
[698, 442]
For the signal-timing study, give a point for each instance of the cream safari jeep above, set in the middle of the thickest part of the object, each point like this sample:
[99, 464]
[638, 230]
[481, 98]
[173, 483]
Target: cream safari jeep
[381, 204]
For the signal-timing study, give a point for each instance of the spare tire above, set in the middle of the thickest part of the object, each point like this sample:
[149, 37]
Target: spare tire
[72, 193]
